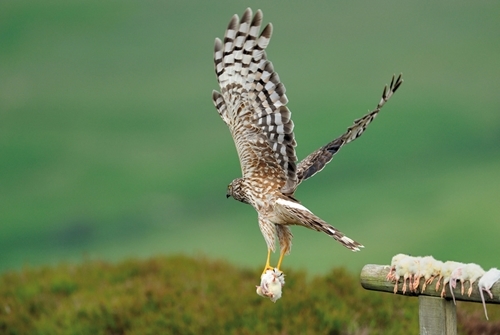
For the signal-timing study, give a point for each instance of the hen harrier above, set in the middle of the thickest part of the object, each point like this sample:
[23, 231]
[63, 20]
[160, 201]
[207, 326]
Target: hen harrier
[252, 103]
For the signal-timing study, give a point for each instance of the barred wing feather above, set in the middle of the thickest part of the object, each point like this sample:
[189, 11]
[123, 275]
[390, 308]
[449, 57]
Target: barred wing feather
[252, 101]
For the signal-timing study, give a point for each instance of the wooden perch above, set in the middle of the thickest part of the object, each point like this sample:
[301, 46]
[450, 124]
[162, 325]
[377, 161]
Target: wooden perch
[373, 277]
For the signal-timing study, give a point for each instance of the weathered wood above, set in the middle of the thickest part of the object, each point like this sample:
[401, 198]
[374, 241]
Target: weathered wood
[436, 316]
[373, 277]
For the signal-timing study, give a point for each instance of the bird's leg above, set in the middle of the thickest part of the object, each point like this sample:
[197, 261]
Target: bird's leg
[438, 281]
[268, 266]
[285, 238]
[396, 286]
[282, 255]
[389, 275]
[416, 282]
[427, 282]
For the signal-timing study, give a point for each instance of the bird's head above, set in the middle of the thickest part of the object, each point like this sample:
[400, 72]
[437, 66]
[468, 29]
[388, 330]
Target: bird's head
[237, 190]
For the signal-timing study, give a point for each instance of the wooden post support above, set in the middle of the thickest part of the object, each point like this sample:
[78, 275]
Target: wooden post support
[436, 316]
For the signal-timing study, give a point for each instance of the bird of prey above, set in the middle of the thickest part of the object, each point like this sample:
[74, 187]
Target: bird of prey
[252, 103]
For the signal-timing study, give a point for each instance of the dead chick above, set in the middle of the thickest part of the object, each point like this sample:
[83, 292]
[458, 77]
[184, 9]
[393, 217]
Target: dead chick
[271, 283]
[446, 271]
[406, 267]
[392, 269]
[485, 284]
[414, 271]
[434, 270]
[426, 270]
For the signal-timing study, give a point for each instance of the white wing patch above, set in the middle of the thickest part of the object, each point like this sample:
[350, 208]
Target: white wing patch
[292, 204]
[347, 240]
[295, 213]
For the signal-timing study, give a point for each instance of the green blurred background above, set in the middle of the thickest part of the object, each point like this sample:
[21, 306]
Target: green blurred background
[111, 148]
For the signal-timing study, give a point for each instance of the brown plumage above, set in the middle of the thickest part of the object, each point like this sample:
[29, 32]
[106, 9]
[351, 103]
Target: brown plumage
[252, 102]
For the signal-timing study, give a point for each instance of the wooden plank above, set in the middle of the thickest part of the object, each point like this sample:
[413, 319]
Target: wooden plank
[436, 316]
[373, 278]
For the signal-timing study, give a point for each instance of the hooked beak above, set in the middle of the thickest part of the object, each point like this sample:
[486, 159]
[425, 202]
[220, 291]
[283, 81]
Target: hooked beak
[228, 195]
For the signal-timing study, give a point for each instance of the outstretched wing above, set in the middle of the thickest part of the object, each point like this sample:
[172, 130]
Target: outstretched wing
[252, 101]
[317, 160]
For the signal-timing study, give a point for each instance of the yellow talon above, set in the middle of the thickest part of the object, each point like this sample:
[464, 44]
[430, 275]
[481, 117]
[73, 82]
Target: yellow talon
[282, 255]
[268, 266]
